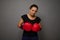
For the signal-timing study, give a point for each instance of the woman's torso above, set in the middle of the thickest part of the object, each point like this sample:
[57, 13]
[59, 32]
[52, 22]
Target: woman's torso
[36, 20]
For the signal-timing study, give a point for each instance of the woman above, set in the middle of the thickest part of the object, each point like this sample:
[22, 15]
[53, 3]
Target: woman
[32, 18]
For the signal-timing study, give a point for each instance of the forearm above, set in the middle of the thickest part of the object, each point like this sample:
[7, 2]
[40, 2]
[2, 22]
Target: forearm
[19, 26]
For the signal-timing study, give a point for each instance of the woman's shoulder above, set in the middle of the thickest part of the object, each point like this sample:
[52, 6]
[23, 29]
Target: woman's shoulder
[38, 19]
[23, 15]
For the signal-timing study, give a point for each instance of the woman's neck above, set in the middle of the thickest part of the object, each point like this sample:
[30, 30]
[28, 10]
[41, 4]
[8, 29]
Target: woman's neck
[33, 16]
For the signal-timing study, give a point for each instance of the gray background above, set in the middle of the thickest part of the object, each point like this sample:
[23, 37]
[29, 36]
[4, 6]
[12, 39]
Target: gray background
[11, 11]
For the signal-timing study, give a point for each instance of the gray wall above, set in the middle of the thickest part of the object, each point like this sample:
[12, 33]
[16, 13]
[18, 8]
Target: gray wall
[11, 11]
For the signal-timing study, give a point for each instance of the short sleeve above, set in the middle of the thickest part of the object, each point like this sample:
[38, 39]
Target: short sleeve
[24, 17]
[38, 20]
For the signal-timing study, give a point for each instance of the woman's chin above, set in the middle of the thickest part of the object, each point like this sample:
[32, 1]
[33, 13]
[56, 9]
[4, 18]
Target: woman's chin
[32, 15]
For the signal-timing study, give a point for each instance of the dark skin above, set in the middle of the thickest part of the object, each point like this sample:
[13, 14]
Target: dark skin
[31, 15]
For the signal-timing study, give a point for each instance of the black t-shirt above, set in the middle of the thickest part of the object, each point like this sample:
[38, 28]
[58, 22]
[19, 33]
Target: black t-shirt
[25, 18]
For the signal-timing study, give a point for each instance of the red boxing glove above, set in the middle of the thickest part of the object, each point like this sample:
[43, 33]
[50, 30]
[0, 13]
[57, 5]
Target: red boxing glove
[36, 27]
[27, 26]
